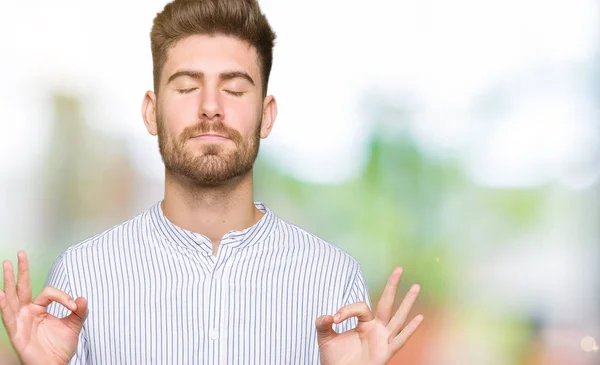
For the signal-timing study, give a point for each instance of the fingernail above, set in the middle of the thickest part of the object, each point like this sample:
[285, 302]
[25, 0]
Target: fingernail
[336, 317]
[72, 305]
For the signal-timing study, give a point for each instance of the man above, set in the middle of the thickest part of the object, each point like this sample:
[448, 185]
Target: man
[206, 276]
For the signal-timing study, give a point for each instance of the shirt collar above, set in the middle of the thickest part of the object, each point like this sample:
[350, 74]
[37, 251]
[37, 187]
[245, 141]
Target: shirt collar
[196, 241]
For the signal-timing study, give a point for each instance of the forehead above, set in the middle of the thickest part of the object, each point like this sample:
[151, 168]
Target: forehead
[212, 55]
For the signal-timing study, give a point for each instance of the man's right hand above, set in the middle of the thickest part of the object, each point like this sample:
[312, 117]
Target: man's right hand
[37, 336]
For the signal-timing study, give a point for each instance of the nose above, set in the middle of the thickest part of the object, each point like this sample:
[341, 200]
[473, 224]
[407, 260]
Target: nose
[211, 106]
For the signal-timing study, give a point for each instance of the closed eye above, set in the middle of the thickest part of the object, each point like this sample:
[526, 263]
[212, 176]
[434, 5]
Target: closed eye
[186, 91]
[235, 93]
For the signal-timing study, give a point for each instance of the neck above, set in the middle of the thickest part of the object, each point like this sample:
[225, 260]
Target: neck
[210, 210]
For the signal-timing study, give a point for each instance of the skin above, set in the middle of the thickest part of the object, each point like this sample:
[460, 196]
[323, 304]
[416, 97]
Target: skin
[209, 115]
[377, 337]
[37, 336]
[212, 100]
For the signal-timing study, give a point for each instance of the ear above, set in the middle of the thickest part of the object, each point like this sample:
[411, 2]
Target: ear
[149, 112]
[268, 117]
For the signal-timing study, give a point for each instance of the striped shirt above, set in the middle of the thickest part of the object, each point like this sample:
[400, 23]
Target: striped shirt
[158, 295]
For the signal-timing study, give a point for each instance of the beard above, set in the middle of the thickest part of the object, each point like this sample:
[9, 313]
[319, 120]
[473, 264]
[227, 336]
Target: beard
[208, 164]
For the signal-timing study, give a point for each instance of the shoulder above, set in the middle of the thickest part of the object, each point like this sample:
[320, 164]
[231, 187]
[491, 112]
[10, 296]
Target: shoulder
[329, 269]
[119, 235]
[315, 248]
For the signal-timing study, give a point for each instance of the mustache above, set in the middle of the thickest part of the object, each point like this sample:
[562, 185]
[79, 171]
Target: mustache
[211, 127]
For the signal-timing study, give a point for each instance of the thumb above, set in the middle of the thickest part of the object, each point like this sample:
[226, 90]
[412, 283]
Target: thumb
[325, 330]
[77, 317]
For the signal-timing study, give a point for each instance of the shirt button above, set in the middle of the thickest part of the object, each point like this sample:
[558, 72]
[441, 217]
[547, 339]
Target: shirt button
[217, 274]
[214, 335]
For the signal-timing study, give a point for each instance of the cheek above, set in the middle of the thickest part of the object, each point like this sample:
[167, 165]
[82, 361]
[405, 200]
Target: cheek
[179, 114]
[242, 116]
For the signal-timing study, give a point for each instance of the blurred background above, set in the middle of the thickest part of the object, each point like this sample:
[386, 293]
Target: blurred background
[458, 139]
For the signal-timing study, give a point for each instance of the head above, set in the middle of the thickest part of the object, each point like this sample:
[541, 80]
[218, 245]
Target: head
[209, 107]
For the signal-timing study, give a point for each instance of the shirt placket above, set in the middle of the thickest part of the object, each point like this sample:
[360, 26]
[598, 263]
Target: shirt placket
[216, 302]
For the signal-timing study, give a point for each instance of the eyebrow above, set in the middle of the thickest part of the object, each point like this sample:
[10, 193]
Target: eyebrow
[222, 76]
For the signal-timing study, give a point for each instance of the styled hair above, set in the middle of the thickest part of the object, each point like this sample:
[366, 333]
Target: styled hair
[241, 19]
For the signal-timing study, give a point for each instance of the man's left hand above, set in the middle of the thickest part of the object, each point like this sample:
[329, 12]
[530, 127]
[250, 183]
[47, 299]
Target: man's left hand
[377, 337]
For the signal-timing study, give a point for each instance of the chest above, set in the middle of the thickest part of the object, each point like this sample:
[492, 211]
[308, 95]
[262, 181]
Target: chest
[175, 307]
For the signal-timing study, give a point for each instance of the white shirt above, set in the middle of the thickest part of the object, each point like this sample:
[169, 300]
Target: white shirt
[158, 295]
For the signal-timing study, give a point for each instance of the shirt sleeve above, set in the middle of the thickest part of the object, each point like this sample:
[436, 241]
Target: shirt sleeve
[59, 279]
[358, 292]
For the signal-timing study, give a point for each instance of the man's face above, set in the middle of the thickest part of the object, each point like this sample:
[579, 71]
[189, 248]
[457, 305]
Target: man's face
[209, 109]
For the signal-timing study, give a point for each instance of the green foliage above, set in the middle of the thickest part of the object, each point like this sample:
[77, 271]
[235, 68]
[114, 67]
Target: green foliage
[405, 209]
[391, 215]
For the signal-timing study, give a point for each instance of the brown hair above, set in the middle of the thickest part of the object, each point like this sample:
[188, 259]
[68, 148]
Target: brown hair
[238, 18]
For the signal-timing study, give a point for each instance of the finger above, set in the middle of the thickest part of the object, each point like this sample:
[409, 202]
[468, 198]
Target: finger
[24, 283]
[9, 284]
[6, 312]
[360, 310]
[403, 336]
[325, 330]
[386, 303]
[51, 294]
[77, 317]
[397, 322]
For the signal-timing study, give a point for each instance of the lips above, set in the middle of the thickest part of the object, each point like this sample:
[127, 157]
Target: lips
[210, 136]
